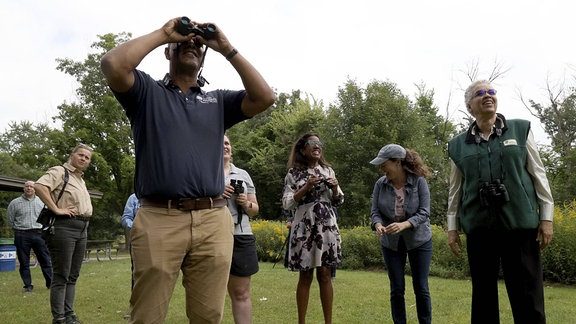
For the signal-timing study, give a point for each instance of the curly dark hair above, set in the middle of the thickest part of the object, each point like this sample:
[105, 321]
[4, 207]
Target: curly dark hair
[413, 163]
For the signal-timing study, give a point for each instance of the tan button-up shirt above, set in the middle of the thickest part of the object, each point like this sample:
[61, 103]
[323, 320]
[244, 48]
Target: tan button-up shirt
[75, 193]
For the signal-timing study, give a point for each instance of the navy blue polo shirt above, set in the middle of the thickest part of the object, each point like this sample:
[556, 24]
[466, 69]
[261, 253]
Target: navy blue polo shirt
[179, 137]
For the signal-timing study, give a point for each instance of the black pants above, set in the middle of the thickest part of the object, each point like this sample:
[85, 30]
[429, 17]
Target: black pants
[32, 240]
[519, 254]
[67, 247]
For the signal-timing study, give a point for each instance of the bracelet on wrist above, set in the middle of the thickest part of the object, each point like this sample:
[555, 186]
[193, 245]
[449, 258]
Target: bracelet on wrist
[231, 54]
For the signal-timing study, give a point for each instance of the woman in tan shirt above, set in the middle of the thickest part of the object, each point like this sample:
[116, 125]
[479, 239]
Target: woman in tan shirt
[67, 243]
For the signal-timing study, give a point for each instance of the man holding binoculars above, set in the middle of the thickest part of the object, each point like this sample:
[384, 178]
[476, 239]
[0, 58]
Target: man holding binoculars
[182, 224]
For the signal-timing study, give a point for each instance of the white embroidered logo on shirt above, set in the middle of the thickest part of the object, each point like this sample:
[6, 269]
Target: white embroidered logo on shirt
[509, 142]
[206, 99]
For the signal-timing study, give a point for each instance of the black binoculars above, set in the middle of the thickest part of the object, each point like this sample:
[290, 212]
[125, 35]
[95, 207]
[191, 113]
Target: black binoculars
[493, 193]
[237, 184]
[185, 27]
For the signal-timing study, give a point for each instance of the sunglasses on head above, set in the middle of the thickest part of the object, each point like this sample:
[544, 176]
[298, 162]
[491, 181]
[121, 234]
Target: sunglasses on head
[482, 93]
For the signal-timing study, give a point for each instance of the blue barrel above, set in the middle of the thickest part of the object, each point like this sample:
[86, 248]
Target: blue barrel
[7, 255]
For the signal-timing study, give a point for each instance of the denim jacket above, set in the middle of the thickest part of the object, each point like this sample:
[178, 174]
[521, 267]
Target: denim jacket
[416, 209]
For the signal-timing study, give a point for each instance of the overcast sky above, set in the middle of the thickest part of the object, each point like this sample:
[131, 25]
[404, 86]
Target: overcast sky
[310, 45]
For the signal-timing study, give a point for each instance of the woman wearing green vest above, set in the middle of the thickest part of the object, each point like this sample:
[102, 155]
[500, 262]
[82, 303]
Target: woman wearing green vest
[500, 198]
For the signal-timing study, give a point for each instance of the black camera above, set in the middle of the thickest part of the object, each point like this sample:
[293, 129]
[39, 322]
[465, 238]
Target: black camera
[185, 27]
[323, 181]
[327, 183]
[493, 193]
[237, 184]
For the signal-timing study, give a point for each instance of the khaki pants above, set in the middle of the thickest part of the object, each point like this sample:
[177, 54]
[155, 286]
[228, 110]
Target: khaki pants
[165, 241]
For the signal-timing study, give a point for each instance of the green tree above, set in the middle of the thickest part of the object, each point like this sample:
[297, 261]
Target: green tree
[354, 128]
[26, 152]
[357, 126]
[433, 149]
[262, 144]
[34, 148]
[364, 120]
[559, 119]
[97, 119]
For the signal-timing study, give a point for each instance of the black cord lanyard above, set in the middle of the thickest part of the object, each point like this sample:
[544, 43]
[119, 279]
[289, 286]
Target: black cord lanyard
[478, 140]
[201, 80]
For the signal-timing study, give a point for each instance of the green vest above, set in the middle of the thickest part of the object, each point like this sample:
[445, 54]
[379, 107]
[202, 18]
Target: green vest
[501, 157]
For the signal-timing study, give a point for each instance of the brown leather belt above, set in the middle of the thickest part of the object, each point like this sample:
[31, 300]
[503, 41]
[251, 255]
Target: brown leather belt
[184, 203]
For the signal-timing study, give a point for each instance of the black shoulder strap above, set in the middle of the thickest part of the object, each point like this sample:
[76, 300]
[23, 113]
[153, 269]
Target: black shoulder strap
[66, 177]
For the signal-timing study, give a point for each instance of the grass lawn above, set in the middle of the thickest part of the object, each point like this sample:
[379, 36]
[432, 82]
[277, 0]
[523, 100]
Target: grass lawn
[103, 292]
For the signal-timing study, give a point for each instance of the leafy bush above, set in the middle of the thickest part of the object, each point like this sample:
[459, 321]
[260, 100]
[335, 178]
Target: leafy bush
[361, 248]
[270, 238]
[444, 263]
[559, 258]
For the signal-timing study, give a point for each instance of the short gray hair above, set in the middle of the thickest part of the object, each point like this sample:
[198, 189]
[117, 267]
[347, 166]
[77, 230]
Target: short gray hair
[469, 94]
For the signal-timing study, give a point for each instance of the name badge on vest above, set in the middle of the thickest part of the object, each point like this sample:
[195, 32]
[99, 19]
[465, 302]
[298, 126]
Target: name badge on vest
[509, 142]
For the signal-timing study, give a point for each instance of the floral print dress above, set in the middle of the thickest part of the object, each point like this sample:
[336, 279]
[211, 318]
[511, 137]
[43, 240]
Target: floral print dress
[314, 236]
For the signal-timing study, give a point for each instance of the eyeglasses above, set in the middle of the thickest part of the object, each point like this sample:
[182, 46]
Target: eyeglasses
[313, 143]
[195, 42]
[482, 93]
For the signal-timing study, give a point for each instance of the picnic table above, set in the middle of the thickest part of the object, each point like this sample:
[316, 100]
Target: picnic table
[103, 249]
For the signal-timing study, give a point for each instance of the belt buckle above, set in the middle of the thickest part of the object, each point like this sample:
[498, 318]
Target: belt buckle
[199, 201]
[179, 204]
[196, 203]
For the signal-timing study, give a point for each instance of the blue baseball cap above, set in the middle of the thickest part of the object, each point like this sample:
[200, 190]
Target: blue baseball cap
[390, 151]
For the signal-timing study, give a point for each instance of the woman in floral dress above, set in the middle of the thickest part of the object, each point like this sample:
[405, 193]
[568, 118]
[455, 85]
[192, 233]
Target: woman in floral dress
[311, 190]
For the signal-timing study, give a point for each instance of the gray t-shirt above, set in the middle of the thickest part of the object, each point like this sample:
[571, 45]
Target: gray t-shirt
[242, 228]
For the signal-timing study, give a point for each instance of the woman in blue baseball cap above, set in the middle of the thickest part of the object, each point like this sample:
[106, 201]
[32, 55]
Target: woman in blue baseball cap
[401, 218]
